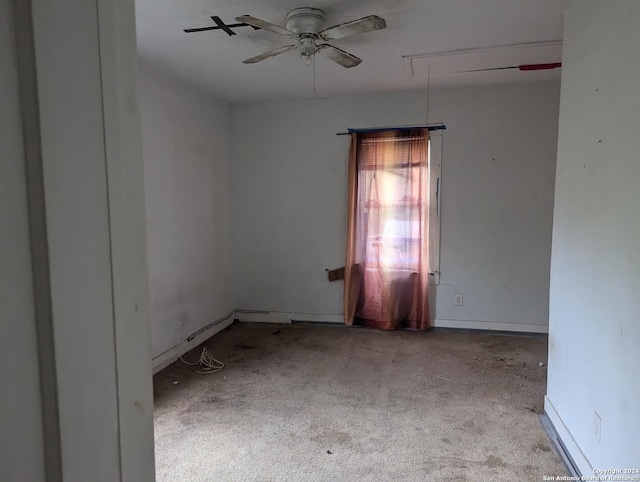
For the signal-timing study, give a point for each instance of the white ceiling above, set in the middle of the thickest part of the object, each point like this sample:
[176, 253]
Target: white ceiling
[213, 59]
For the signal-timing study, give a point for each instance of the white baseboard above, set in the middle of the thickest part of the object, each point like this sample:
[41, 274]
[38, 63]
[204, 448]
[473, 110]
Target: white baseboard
[285, 317]
[253, 316]
[579, 459]
[490, 325]
[168, 357]
[256, 316]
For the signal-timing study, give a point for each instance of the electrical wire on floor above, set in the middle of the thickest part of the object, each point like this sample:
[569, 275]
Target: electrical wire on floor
[207, 363]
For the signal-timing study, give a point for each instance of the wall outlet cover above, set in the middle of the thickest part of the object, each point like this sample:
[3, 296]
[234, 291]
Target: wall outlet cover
[457, 299]
[597, 427]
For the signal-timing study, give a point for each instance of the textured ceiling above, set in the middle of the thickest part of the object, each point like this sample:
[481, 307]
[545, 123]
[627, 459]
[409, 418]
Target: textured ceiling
[213, 59]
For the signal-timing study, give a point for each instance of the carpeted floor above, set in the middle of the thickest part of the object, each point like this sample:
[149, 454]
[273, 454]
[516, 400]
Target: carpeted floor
[322, 403]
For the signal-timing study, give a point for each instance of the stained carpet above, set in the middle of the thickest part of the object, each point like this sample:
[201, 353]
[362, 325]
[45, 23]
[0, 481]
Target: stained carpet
[321, 403]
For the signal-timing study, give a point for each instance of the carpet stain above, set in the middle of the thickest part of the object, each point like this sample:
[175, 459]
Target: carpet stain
[328, 436]
[540, 447]
[245, 347]
[492, 462]
[471, 426]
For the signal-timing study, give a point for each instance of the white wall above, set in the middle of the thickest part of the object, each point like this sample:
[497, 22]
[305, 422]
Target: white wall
[21, 444]
[594, 340]
[289, 190]
[84, 159]
[186, 136]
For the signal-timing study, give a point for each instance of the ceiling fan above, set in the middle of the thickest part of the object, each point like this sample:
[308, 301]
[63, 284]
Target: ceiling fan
[307, 27]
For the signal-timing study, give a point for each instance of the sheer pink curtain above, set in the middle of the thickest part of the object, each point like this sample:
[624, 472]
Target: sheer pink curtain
[386, 275]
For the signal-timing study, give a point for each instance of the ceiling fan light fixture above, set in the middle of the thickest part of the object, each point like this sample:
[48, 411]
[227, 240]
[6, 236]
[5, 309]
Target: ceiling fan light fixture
[308, 46]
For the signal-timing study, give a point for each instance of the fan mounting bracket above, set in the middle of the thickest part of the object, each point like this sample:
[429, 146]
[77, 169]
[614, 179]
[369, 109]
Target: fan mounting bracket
[307, 21]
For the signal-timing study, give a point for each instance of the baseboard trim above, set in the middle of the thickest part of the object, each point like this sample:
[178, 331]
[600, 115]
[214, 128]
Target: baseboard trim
[255, 316]
[577, 459]
[490, 326]
[283, 317]
[165, 359]
[559, 447]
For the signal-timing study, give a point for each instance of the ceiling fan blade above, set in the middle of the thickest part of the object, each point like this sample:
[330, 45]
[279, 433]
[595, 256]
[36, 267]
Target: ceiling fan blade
[362, 25]
[339, 56]
[270, 53]
[263, 24]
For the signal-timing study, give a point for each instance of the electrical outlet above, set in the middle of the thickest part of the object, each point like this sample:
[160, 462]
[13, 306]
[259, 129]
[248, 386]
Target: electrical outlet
[457, 299]
[597, 427]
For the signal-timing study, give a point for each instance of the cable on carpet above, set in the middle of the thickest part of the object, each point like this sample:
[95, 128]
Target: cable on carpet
[207, 363]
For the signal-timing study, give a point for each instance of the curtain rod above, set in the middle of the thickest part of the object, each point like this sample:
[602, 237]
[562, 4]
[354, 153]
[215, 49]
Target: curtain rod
[439, 127]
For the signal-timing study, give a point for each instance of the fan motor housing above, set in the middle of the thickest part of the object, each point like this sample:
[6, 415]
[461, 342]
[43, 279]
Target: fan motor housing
[306, 21]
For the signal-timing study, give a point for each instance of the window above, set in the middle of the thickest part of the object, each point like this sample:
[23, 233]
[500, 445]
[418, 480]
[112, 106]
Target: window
[394, 221]
[399, 190]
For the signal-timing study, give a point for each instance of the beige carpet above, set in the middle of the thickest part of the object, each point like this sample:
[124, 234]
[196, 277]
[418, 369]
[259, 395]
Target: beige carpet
[321, 403]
